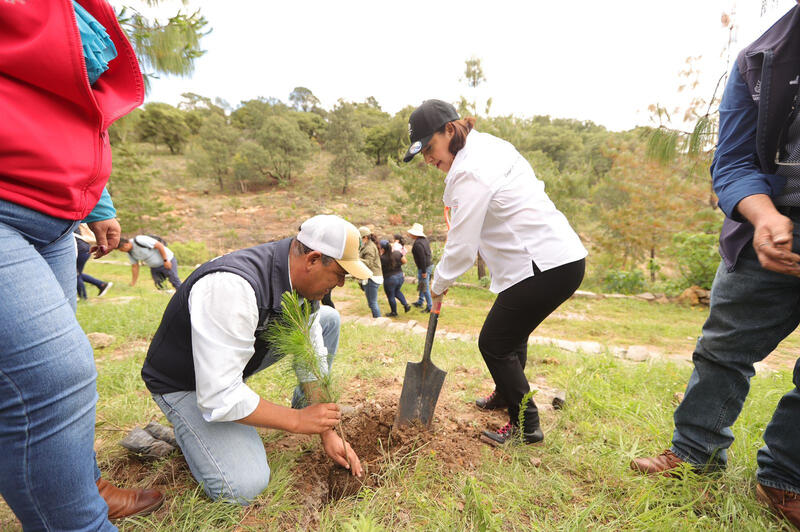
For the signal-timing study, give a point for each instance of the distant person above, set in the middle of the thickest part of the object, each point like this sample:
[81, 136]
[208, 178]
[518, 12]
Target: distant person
[371, 256]
[399, 244]
[84, 252]
[421, 251]
[210, 341]
[537, 261]
[392, 266]
[158, 257]
[66, 73]
[755, 294]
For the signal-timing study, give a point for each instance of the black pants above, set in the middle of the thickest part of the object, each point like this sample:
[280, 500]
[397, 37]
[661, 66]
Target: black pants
[516, 312]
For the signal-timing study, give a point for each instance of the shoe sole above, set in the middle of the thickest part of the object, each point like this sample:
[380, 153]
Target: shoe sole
[494, 443]
[489, 409]
[142, 513]
[105, 290]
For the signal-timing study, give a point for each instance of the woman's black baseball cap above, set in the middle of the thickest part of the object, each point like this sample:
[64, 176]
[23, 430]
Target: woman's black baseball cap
[425, 121]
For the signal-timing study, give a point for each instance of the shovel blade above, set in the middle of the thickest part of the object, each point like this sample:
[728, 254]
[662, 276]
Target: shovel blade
[421, 387]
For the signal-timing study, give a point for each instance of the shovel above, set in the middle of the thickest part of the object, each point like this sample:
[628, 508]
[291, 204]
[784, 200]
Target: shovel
[422, 383]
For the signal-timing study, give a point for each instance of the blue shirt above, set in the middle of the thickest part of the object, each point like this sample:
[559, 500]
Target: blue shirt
[98, 49]
[735, 171]
[104, 210]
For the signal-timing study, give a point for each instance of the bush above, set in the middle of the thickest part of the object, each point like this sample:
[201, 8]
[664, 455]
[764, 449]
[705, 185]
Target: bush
[191, 253]
[697, 257]
[624, 282]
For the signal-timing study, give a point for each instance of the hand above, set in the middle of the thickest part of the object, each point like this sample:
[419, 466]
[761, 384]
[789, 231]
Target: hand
[167, 264]
[317, 418]
[772, 241]
[107, 233]
[424, 275]
[335, 448]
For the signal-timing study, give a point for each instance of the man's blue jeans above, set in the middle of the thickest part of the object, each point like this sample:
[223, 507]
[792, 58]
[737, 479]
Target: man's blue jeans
[47, 379]
[752, 311]
[424, 287]
[371, 291]
[227, 458]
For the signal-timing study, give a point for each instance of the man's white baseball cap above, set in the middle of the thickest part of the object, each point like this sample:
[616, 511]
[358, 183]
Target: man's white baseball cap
[336, 238]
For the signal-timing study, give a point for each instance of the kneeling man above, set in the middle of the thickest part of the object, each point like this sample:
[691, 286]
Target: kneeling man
[210, 341]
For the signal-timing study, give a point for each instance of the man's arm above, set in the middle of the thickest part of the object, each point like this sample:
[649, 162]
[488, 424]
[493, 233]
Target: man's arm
[163, 252]
[134, 273]
[772, 238]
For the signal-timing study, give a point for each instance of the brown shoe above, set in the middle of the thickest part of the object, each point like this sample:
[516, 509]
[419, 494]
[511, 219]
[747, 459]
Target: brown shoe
[663, 464]
[784, 503]
[128, 502]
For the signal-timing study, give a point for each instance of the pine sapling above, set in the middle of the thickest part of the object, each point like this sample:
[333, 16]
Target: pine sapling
[290, 336]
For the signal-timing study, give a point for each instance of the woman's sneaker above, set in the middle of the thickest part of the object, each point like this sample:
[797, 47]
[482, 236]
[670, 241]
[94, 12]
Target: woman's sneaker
[493, 401]
[509, 433]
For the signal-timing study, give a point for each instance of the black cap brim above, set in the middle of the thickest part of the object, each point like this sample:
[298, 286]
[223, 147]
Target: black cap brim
[422, 143]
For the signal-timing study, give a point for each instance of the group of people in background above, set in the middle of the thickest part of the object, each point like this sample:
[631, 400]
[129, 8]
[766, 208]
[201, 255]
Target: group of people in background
[386, 259]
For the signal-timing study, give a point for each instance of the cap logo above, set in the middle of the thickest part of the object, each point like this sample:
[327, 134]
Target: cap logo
[414, 149]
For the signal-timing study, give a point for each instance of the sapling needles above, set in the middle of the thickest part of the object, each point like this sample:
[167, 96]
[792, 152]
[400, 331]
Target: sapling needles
[290, 336]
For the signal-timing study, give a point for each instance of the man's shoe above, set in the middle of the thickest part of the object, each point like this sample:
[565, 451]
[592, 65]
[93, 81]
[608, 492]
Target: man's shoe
[128, 502]
[105, 288]
[510, 434]
[663, 464]
[392, 315]
[406, 307]
[784, 503]
[427, 310]
[417, 304]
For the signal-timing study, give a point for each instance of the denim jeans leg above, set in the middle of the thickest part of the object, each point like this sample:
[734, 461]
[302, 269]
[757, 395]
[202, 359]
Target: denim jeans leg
[427, 293]
[398, 292]
[226, 458]
[752, 311]
[779, 459]
[172, 274]
[421, 286]
[331, 324]
[389, 284]
[47, 379]
[371, 291]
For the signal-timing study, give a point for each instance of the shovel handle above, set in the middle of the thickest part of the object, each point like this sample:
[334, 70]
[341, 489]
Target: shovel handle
[433, 320]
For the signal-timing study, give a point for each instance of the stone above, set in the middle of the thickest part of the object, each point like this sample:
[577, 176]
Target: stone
[381, 322]
[419, 329]
[559, 399]
[396, 326]
[677, 398]
[586, 294]
[363, 320]
[410, 324]
[638, 353]
[592, 348]
[453, 336]
[535, 462]
[647, 296]
[100, 340]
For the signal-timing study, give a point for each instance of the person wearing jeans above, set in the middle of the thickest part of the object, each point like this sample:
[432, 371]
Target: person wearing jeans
[368, 252]
[66, 73]
[83, 278]
[391, 265]
[211, 339]
[756, 291]
[421, 251]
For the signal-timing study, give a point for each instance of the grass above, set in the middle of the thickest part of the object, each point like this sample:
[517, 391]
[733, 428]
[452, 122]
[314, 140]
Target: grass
[616, 410]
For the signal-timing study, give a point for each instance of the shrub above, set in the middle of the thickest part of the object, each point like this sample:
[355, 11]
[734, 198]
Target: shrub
[190, 253]
[697, 257]
[624, 282]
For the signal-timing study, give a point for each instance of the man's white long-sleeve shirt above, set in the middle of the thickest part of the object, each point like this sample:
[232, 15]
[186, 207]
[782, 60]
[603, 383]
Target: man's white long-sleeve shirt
[499, 208]
[224, 317]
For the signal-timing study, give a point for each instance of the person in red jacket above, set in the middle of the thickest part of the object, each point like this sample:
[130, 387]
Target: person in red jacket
[66, 73]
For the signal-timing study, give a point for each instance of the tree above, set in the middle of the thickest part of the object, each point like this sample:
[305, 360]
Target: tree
[346, 143]
[211, 155]
[130, 185]
[473, 76]
[169, 48]
[286, 147]
[162, 123]
[303, 99]
[423, 187]
[196, 108]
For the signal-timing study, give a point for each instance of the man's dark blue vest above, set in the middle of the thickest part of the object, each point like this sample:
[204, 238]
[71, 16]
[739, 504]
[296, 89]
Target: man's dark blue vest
[169, 366]
[769, 67]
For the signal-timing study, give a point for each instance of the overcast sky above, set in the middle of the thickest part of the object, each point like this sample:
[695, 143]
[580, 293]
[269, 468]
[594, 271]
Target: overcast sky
[600, 61]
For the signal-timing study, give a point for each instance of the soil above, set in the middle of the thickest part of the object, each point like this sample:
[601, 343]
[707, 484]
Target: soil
[454, 440]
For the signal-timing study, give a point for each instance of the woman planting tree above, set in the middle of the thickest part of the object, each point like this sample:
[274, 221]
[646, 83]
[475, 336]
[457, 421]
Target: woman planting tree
[537, 261]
